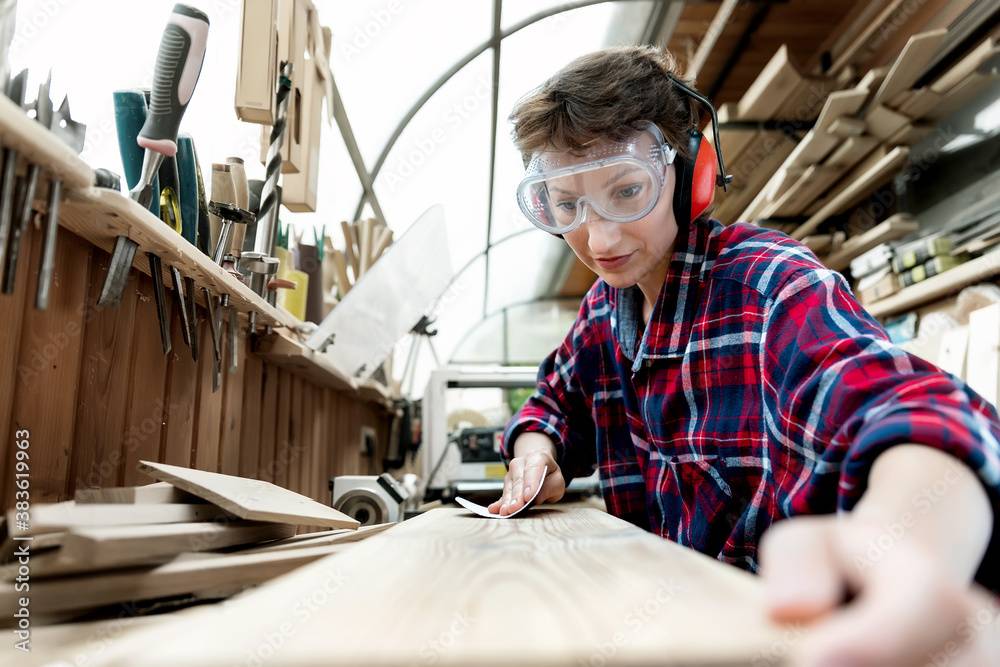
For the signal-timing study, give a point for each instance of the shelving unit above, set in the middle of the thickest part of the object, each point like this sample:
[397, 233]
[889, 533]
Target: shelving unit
[939, 286]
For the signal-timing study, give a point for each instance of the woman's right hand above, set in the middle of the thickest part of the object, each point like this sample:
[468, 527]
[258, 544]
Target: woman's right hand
[533, 455]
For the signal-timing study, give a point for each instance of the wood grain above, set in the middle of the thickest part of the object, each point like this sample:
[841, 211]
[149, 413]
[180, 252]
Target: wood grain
[182, 391]
[250, 498]
[249, 447]
[208, 420]
[104, 384]
[49, 360]
[582, 586]
[147, 400]
[157, 492]
[268, 420]
[51, 517]
[232, 410]
[283, 426]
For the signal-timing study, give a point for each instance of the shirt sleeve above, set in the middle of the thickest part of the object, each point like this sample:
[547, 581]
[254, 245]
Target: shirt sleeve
[838, 393]
[558, 407]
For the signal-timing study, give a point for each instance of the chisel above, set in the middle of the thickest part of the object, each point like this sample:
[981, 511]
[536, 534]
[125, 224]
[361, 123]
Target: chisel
[73, 134]
[188, 188]
[15, 91]
[178, 66]
[213, 325]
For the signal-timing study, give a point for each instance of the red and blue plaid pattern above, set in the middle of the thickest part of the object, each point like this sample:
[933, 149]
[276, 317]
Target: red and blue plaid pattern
[760, 390]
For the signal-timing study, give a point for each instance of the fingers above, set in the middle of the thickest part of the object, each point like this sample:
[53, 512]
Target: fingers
[513, 487]
[801, 576]
[535, 465]
[904, 614]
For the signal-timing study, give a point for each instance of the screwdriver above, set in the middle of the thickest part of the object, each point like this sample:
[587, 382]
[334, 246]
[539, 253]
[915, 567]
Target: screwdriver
[178, 66]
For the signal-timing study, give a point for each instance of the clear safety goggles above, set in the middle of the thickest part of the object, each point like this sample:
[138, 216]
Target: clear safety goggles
[619, 181]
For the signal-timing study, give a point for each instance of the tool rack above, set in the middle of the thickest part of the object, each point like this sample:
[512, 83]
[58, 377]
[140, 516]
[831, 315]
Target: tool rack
[99, 215]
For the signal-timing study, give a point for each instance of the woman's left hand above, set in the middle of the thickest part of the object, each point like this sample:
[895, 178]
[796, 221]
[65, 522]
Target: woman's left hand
[906, 608]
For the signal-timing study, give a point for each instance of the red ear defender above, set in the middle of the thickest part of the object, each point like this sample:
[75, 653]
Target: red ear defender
[704, 179]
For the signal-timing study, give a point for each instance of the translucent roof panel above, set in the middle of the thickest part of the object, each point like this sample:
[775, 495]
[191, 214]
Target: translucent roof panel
[522, 268]
[386, 54]
[442, 157]
[522, 334]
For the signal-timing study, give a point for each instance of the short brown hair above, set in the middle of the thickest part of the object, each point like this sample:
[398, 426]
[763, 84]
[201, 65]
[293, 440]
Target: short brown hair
[600, 95]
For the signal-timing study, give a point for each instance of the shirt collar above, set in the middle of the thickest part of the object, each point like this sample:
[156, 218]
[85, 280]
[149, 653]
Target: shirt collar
[667, 333]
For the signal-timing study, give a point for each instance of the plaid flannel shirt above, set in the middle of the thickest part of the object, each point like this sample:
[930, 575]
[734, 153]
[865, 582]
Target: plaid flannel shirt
[759, 390]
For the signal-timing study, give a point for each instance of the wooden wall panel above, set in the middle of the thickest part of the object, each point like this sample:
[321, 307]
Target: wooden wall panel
[147, 401]
[250, 417]
[104, 383]
[97, 394]
[49, 359]
[11, 316]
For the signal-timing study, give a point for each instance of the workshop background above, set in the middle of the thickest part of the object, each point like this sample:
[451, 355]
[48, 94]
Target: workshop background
[331, 279]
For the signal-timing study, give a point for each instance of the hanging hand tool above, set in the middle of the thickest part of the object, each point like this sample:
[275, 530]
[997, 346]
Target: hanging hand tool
[213, 325]
[180, 306]
[178, 66]
[223, 191]
[14, 89]
[242, 189]
[204, 225]
[107, 179]
[232, 326]
[170, 200]
[191, 306]
[73, 135]
[230, 215]
[159, 296]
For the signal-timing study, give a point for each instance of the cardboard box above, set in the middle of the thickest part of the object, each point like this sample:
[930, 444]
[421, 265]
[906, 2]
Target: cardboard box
[256, 72]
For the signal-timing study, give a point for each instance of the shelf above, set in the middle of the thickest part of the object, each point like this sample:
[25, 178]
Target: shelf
[939, 286]
[38, 145]
[292, 355]
[100, 216]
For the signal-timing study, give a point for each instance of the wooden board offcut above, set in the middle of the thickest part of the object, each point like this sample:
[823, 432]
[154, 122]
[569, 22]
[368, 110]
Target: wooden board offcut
[577, 582]
[158, 492]
[250, 498]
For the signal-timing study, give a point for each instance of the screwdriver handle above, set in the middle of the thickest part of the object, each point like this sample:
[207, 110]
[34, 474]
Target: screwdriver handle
[178, 66]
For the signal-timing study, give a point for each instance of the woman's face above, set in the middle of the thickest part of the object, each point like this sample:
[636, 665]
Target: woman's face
[623, 253]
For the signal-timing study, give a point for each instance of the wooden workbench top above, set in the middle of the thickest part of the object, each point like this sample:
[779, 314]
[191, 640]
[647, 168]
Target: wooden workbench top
[561, 586]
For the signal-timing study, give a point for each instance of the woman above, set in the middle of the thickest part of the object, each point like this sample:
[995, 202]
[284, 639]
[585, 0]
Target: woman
[722, 380]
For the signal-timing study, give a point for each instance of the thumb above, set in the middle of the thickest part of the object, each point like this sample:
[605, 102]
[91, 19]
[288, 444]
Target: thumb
[802, 578]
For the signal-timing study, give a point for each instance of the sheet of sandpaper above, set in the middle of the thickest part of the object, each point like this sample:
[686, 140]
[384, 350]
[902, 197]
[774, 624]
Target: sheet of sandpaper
[482, 511]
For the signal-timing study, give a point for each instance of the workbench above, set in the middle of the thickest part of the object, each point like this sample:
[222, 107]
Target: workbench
[560, 586]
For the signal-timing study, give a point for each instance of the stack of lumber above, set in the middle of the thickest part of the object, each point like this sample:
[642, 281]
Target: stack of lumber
[191, 535]
[753, 152]
[862, 134]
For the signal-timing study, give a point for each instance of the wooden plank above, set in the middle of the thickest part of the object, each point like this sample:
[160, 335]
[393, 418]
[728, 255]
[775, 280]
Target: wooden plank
[812, 149]
[920, 103]
[855, 188]
[851, 151]
[249, 443]
[884, 122]
[49, 360]
[250, 498]
[918, 53]
[908, 135]
[99, 442]
[895, 227]
[185, 575]
[268, 422]
[232, 412]
[208, 415]
[283, 426]
[589, 572]
[847, 127]
[280, 349]
[306, 433]
[182, 391]
[965, 67]
[851, 52]
[813, 183]
[157, 492]
[949, 282]
[51, 517]
[41, 147]
[146, 409]
[770, 89]
[12, 315]
[90, 549]
[319, 538]
[958, 97]
[840, 103]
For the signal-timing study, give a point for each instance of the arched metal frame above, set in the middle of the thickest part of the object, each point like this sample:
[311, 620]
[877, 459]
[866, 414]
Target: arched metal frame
[663, 14]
